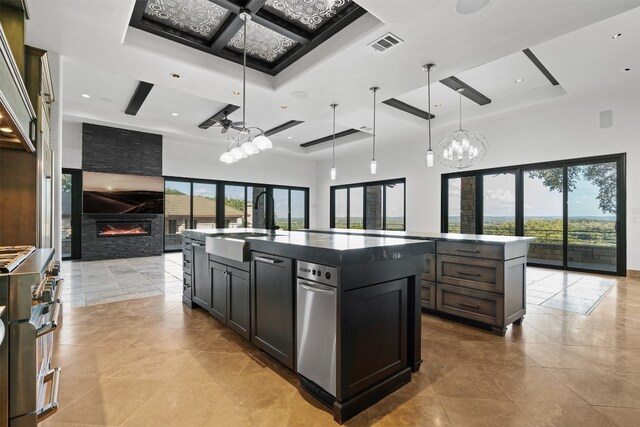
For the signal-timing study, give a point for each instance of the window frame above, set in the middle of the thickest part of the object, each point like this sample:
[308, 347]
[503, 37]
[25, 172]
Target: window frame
[220, 194]
[364, 185]
[620, 159]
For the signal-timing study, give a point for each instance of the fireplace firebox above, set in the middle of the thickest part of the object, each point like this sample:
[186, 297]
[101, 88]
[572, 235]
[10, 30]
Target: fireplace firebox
[123, 228]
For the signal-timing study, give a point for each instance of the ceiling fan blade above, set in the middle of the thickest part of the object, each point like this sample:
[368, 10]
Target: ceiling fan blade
[237, 123]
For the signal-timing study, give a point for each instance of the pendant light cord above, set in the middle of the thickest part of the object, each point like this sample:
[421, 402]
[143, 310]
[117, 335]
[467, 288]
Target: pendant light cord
[460, 107]
[375, 89]
[429, 102]
[333, 161]
[244, 73]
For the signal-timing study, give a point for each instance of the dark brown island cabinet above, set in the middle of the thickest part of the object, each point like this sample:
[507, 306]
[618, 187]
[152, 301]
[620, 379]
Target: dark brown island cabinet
[476, 278]
[350, 304]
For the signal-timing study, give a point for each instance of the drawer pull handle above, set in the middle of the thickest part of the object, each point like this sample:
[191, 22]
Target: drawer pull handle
[466, 304]
[464, 273]
[186, 261]
[268, 260]
[468, 251]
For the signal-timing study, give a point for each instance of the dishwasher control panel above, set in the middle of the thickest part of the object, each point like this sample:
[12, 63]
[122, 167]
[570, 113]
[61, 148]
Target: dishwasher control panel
[318, 273]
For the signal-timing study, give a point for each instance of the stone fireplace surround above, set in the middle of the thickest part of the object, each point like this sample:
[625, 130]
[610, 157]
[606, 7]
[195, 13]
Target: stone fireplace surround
[102, 151]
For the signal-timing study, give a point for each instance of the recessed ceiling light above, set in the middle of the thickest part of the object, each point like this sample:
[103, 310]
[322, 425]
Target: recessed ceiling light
[627, 69]
[518, 81]
[106, 99]
[174, 114]
[236, 92]
[299, 94]
[284, 107]
[438, 105]
[615, 36]
[86, 95]
[175, 75]
[6, 129]
[289, 137]
[467, 7]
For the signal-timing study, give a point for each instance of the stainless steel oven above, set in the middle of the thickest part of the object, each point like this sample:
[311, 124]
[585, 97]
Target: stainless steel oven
[28, 385]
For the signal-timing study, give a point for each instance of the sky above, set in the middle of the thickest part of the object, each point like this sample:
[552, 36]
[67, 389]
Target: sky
[539, 201]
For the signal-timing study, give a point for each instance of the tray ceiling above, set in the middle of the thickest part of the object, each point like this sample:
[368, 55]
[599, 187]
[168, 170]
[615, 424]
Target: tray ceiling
[279, 33]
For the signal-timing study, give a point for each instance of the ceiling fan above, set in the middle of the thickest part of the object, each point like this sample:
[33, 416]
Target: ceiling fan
[226, 124]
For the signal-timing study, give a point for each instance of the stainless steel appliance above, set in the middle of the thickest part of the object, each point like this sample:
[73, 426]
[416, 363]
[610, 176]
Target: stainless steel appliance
[316, 329]
[29, 289]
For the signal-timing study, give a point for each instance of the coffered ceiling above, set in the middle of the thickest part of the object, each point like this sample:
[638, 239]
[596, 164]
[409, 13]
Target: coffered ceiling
[107, 57]
[280, 31]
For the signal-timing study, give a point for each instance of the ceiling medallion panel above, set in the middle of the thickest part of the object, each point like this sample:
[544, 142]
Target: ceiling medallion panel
[200, 18]
[310, 13]
[262, 43]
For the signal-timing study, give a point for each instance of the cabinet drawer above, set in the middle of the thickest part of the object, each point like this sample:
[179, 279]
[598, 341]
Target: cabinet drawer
[430, 269]
[186, 285]
[428, 295]
[480, 274]
[485, 307]
[476, 250]
[186, 247]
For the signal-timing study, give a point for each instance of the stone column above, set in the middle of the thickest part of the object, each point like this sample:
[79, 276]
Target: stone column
[468, 205]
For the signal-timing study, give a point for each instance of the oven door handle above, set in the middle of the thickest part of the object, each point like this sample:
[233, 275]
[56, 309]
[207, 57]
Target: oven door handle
[50, 408]
[52, 324]
[59, 283]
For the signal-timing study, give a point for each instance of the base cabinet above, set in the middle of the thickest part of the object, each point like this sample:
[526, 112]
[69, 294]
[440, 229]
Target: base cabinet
[201, 284]
[230, 301]
[272, 310]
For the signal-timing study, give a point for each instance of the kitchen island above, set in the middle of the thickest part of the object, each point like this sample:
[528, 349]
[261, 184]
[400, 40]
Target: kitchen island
[343, 311]
[471, 277]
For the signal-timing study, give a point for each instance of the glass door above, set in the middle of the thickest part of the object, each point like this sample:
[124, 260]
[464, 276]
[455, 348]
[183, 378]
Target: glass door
[177, 212]
[543, 215]
[71, 195]
[592, 223]
[499, 204]
[204, 205]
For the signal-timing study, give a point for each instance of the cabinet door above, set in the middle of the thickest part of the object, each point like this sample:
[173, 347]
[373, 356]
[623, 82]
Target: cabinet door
[201, 284]
[272, 309]
[238, 301]
[218, 288]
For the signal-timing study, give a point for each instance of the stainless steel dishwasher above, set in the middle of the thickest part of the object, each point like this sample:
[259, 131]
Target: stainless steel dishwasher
[316, 329]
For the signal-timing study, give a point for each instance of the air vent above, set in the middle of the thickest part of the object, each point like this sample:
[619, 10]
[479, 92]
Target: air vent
[385, 42]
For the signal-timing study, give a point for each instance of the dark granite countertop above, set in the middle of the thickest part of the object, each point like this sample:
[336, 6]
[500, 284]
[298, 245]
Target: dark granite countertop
[327, 248]
[424, 235]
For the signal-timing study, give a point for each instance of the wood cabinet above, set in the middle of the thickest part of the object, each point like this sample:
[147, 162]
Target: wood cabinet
[201, 283]
[272, 307]
[478, 281]
[230, 297]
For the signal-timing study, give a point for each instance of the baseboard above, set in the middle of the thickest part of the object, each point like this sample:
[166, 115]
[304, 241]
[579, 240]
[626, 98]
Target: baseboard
[635, 274]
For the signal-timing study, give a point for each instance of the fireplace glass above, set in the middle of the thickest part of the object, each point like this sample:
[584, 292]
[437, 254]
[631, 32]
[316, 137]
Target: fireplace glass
[123, 228]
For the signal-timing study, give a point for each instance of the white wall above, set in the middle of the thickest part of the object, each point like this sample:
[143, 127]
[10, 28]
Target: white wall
[561, 129]
[196, 160]
[71, 145]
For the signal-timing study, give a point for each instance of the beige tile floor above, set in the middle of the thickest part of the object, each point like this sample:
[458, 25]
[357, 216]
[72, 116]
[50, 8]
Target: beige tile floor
[153, 362]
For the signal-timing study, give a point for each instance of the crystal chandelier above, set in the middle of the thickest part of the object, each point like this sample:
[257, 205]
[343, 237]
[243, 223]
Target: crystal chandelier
[249, 140]
[462, 148]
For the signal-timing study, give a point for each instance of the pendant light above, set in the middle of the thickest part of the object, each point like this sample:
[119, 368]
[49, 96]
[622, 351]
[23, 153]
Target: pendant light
[462, 148]
[249, 140]
[428, 68]
[374, 166]
[333, 161]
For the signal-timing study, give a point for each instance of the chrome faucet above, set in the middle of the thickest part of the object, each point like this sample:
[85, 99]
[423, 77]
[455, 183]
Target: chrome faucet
[273, 226]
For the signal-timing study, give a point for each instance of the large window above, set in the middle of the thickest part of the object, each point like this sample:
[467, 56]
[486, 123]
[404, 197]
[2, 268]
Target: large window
[376, 205]
[193, 203]
[71, 213]
[574, 208]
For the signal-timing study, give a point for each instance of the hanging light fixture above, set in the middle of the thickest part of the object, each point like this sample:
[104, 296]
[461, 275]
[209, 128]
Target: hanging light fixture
[333, 161]
[462, 148]
[374, 166]
[428, 68]
[249, 140]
